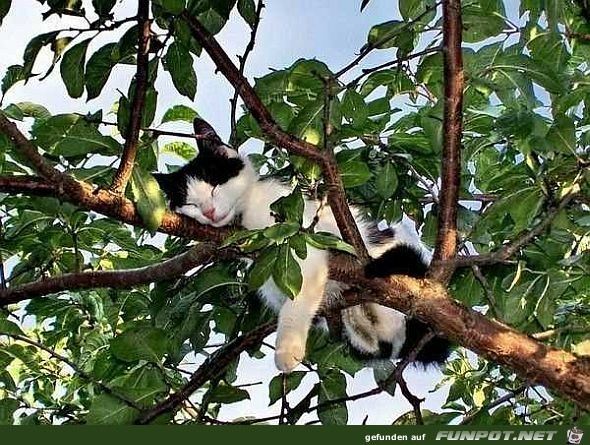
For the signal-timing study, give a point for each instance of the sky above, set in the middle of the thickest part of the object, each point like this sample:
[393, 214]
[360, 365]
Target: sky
[330, 30]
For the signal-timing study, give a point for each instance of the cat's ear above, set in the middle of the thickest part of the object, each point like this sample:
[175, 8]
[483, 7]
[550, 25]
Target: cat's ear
[209, 141]
[167, 182]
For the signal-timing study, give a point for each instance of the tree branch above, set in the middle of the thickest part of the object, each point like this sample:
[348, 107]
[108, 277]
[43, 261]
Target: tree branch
[446, 239]
[370, 47]
[211, 368]
[336, 196]
[511, 249]
[243, 59]
[84, 375]
[118, 279]
[500, 400]
[30, 185]
[430, 302]
[141, 83]
[102, 201]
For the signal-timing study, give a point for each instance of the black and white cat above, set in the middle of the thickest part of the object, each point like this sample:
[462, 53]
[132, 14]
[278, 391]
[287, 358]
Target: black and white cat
[219, 186]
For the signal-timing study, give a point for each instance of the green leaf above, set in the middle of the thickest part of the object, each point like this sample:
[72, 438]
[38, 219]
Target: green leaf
[325, 240]
[275, 387]
[382, 374]
[28, 109]
[393, 33]
[8, 327]
[354, 173]
[148, 198]
[33, 48]
[483, 20]
[173, 6]
[410, 9]
[247, 10]
[290, 207]
[103, 7]
[354, 107]
[72, 68]
[179, 113]
[141, 343]
[299, 245]
[143, 385]
[386, 181]
[263, 267]
[181, 149]
[332, 386]
[526, 203]
[71, 135]
[108, 410]
[562, 135]
[178, 62]
[467, 289]
[4, 8]
[14, 74]
[98, 69]
[286, 272]
[227, 394]
[7, 408]
[278, 232]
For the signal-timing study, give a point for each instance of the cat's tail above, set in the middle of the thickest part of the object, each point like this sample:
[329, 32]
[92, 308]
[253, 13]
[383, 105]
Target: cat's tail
[378, 332]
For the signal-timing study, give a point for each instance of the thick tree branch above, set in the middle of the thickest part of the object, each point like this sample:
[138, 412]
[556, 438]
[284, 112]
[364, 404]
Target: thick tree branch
[429, 301]
[118, 279]
[336, 196]
[211, 368]
[29, 185]
[243, 60]
[102, 201]
[141, 83]
[446, 239]
[38, 162]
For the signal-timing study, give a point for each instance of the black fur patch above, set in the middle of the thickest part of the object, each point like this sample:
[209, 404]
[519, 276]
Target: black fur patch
[435, 351]
[210, 166]
[405, 260]
[399, 260]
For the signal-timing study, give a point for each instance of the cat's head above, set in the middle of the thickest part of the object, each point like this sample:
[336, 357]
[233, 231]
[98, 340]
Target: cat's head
[212, 186]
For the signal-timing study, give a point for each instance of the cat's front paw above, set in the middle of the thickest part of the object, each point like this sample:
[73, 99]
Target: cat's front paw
[288, 355]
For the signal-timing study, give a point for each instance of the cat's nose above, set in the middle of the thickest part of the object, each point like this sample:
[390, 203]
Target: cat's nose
[209, 214]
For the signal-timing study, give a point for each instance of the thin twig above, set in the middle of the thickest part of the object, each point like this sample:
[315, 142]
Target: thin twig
[397, 61]
[488, 292]
[500, 400]
[370, 47]
[243, 60]
[107, 389]
[509, 250]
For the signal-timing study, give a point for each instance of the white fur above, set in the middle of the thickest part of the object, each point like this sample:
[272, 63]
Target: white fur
[251, 198]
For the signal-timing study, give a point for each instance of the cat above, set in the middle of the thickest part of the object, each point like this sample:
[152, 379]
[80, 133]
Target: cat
[219, 187]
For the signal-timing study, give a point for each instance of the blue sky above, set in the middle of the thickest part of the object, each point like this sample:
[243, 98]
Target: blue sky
[330, 30]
